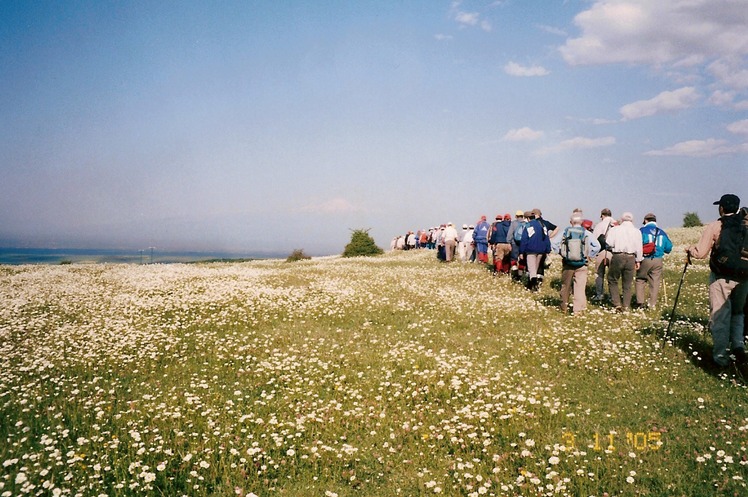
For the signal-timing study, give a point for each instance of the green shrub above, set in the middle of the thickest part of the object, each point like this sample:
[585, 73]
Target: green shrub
[361, 244]
[297, 255]
[691, 219]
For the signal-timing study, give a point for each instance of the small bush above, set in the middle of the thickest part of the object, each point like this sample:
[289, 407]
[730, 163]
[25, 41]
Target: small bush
[297, 255]
[691, 219]
[362, 244]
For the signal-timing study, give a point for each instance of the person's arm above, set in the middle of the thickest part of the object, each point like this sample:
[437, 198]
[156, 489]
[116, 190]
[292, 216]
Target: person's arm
[704, 245]
[594, 245]
[667, 244]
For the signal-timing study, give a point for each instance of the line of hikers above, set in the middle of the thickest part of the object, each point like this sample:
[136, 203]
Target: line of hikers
[519, 248]
[621, 252]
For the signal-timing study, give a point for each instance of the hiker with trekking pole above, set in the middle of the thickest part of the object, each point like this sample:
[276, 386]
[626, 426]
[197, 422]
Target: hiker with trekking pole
[725, 239]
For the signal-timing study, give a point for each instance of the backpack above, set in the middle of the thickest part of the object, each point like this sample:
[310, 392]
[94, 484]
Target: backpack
[494, 236]
[730, 253]
[574, 246]
[649, 248]
[518, 231]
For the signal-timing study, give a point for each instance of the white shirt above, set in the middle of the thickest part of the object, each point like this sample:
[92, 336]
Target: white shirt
[625, 238]
[450, 234]
[602, 227]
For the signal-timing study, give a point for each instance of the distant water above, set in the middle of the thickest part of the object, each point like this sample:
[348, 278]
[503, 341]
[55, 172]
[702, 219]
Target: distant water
[16, 256]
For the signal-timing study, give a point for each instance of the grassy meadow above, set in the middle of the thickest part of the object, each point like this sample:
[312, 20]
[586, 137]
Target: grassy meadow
[389, 376]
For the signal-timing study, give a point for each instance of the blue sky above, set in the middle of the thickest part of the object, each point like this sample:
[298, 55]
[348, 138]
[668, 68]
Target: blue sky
[268, 126]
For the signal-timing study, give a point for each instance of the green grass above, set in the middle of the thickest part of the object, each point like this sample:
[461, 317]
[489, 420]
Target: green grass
[389, 376]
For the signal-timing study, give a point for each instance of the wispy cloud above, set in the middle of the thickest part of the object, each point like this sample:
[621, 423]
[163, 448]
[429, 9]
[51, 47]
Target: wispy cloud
[514, 69]
[551, 30]
[579, 142]
[523, 134]
[597, 121]
[738, 127]
[469, 19]
[443, 37]
[667, 101]
[700, 148]
[721, 98]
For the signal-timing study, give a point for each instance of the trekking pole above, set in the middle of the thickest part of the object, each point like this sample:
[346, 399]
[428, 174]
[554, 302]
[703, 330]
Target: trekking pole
[664, 291]
[677, 294]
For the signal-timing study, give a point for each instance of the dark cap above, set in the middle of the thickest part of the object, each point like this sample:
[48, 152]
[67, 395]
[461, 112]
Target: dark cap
[605, 212]
[729, 202]
[650, 217]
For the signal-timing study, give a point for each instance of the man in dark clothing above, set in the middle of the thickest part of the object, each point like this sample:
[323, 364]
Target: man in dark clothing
[551, 230]
[533, 247]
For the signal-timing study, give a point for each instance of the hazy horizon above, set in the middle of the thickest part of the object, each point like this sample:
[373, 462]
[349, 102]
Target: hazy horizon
[250, 126]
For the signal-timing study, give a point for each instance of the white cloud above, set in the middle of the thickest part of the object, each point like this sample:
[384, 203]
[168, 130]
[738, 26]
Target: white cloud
[467, 18]
[597, 121]
[470, 19]
[672, 33]
[721, 98]
[666, 101]
[523, 134]
[514, 69]
[580, 142]
[332, 206]
[443, 37]
[551, 30]
[730, 71]
[700, 148]
[738, 127]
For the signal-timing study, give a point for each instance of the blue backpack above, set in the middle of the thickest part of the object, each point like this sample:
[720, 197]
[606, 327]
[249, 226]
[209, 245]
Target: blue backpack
[518, 231]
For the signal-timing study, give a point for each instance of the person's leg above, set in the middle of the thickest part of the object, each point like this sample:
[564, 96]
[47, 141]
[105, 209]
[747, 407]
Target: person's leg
[719, 318]
[580, 287]
[737, 318]
[627, 275]
[567, 275]
[614, 272]
[655, 278]
[532, 268]
[642, 275]
[600, 265]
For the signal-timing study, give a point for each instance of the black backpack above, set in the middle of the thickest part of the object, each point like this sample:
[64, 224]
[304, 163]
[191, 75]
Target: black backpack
[730, 253]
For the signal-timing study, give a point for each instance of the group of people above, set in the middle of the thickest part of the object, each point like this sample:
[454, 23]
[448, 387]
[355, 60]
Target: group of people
[628, 257]
[520, 247]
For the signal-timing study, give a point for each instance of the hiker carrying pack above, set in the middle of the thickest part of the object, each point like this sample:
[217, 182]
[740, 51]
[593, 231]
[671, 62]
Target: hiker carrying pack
[725, 240]
[730, 252]
[574, 246]
[650, 247]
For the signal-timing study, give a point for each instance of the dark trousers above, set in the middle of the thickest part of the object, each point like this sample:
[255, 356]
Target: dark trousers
[623, 267]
